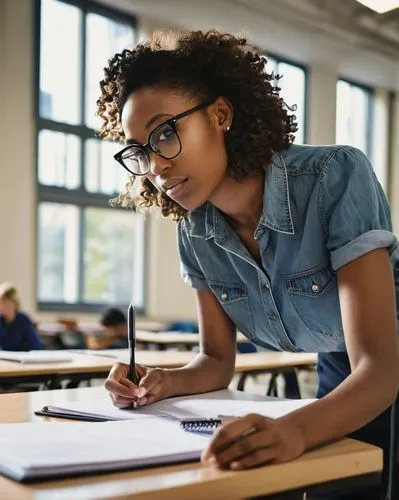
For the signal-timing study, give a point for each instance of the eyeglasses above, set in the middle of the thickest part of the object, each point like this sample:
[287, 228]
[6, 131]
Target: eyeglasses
[164, 141]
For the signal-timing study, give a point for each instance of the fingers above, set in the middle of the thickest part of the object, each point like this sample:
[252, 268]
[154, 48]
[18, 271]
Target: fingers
[122, 390]
[124, 393]
[233, 431]
[150, 387]
[242, 443]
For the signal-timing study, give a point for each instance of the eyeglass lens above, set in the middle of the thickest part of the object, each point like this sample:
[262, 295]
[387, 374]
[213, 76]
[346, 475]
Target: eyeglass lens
[163, 141]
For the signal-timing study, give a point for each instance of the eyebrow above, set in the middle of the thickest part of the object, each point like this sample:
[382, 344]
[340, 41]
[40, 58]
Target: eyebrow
[155, 118]
[147, 125]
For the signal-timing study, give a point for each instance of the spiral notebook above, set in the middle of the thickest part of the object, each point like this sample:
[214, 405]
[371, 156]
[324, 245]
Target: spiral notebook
[200, 425]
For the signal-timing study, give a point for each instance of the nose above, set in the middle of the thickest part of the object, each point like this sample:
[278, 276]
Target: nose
[158, 165]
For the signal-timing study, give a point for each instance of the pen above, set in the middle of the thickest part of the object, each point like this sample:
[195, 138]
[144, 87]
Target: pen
[131, 332]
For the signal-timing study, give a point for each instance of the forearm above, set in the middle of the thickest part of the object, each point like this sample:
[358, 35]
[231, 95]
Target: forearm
[203, 374]
[366, 393]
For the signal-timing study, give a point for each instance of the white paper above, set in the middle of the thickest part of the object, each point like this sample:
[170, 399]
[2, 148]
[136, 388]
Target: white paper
[35, 449]
[36, 356]
[209, 405]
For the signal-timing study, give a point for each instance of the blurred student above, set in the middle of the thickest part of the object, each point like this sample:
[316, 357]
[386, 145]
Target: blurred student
[115, 331]
[17, 332]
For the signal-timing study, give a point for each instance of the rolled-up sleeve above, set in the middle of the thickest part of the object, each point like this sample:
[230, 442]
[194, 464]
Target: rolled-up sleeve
[353, 208]
[190, 269]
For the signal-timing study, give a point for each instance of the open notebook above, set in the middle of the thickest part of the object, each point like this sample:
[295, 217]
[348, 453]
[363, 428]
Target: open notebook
[208, 405]
[39, 450]
[36, 356]
[136, 438]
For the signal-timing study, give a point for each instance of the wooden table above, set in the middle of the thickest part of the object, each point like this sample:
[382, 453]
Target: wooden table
[246, 364]
[162, 340]
[345, 462]
[86, 366]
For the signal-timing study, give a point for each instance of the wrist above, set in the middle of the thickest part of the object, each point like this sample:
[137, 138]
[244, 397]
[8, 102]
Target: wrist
[167, 383]
[296, 431]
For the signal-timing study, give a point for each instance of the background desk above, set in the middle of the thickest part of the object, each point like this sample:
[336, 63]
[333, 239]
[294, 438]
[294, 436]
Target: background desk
[345, 462]
[162, 340]
[86, 366]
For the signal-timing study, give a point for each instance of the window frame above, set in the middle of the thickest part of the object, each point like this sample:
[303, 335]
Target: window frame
[370, 110]
[80, 197]
[281, 59]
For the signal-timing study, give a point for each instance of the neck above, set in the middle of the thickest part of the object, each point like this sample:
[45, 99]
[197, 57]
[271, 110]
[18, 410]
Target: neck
[241, 202]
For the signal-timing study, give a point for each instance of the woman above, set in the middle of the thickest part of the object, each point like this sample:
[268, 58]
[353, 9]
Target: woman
[290, 244]
[17, 332]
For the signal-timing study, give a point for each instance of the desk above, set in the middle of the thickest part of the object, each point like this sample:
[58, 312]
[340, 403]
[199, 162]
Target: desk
[345, 461]
[165, 339]
[85, 366]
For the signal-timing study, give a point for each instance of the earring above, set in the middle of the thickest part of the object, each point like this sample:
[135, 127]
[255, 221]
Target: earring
[227, 128]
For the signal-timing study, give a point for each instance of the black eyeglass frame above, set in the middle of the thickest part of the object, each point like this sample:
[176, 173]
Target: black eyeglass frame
[148, 146]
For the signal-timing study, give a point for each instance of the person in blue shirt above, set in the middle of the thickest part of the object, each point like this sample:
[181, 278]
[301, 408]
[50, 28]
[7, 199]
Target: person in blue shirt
[290, 244]
[17, 332]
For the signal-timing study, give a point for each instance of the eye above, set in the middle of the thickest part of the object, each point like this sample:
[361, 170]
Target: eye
[164, 134]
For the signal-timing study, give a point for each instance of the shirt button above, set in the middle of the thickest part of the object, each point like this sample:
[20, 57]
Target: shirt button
[266, 285]
[224, 296]
[315, 288]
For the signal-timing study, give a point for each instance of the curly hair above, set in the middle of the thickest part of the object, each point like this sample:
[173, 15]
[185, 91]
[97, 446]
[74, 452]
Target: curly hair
[204, 65]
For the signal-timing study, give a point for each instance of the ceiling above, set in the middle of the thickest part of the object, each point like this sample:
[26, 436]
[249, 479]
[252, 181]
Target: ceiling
[342, 18]
[345, 20]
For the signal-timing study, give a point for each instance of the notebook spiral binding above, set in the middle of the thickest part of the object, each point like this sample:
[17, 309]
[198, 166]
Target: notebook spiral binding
[200, 424]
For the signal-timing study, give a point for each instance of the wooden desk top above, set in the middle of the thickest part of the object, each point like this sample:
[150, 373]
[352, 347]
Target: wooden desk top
[86, 363]
[174, 337]
[344, 458]
[50, 328]
[254, 361]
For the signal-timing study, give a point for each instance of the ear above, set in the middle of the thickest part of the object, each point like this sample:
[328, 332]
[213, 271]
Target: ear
[222, 111]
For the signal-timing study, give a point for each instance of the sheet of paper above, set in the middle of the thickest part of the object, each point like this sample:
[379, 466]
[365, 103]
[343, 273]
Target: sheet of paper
[37, 449]
[36, 356]
[208, 405]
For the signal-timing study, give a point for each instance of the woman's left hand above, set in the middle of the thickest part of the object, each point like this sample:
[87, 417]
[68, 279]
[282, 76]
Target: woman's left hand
[252, 441]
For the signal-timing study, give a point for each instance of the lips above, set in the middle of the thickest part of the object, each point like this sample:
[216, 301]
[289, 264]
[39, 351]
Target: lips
[173, 185]
[175, 188]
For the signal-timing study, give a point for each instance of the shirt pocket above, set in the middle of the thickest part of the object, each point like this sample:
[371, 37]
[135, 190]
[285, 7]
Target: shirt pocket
[235, 302]
[314, 297]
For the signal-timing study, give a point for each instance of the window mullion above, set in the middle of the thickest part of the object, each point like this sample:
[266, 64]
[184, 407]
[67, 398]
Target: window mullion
[81, 270]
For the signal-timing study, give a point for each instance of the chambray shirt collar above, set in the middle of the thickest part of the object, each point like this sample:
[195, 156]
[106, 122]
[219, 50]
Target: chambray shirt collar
[276, 208]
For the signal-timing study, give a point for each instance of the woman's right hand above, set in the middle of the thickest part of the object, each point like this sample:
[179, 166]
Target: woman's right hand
[152, 387]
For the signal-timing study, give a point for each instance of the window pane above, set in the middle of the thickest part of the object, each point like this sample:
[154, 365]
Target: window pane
[113, 268]
[353, 110]
[58, 247]
[292, 86]
[102, 173]
[271, 66]
[59, 159]
[60, 63]
[105, 37]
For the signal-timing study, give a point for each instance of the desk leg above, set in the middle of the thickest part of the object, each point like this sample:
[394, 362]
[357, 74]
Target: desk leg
[272, 388]
[291, 385]
[241, 381]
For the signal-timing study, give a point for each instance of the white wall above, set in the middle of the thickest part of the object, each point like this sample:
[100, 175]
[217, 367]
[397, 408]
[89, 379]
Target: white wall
[17, 165]
[168, 297]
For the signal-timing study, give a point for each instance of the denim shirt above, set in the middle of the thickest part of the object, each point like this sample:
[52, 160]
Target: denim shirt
[322, 208]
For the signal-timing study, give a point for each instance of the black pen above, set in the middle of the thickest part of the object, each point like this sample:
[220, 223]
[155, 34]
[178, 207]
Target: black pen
[131, 335]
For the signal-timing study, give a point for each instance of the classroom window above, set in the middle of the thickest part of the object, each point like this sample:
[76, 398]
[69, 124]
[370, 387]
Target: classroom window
[292, 82]
[354, 116]
[88, 254]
